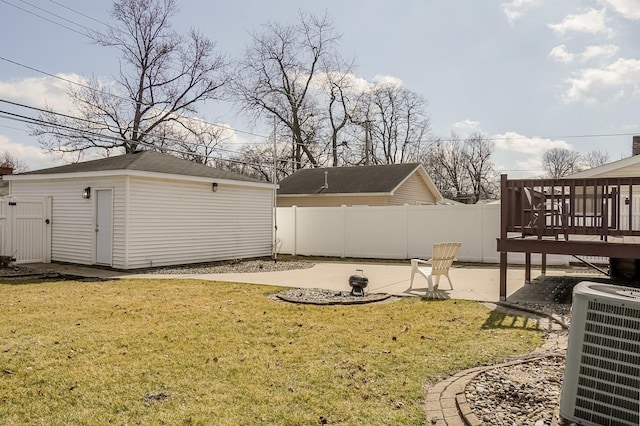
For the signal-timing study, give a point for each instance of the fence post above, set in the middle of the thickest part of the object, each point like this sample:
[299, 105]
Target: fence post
[294, 249]
[344, 230]
[406, 237]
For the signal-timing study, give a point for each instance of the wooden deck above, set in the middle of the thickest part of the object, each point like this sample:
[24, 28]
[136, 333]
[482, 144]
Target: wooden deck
[582, 217]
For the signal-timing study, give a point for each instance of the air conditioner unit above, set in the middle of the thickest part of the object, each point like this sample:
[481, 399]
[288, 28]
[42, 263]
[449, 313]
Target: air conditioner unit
[602, 372]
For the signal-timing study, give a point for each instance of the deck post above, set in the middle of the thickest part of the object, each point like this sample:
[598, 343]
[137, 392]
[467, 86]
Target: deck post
[543, 263]
[504, 210]
[527, 268]
[503, 277]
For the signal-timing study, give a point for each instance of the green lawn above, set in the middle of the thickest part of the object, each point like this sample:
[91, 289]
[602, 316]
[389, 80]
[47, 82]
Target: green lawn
[200, 352]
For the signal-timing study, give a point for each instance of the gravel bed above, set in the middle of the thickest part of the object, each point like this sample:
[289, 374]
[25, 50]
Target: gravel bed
[319, 296]
[240, 266]
[524, 394]
[16, 271]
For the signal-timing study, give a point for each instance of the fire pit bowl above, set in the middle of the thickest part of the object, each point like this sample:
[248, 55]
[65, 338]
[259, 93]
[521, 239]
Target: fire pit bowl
[358, 283]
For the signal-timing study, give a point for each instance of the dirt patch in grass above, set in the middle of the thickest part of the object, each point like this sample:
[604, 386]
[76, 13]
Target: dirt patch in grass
[196, 352]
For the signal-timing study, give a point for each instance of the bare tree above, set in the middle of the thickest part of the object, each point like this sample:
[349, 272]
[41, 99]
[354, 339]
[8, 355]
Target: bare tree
[479, 166]
[595, 158]
[9, 160]
[462, 169]
[163, 77]
[397, 119]
[276, 76]
[199, 141]
[257, 161]
[445, 162]
[341, 103]
[560, 162]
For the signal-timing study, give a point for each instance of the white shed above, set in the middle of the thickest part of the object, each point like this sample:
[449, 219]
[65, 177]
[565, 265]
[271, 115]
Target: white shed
[149, 209]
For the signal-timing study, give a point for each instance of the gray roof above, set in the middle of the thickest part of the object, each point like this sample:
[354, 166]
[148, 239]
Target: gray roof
[347, 180]
[145, 161]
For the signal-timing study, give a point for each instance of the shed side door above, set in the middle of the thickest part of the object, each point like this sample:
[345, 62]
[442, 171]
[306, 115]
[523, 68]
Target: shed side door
[104, 226]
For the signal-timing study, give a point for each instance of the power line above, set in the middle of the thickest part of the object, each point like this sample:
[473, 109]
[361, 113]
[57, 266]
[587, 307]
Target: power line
[46, 19]
[81, 14]
[57, 16]
[31, 120]
[87, 35]
[103, 125]
[123, 98]
[103, 137]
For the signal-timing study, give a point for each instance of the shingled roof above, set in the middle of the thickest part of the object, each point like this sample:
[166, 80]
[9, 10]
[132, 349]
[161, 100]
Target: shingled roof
[347, 180]
[145, 161]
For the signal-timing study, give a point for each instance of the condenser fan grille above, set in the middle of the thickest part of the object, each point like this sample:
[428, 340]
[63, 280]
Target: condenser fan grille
[608, 391]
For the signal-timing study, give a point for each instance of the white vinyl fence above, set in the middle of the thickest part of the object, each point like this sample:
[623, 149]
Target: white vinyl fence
[394, 232]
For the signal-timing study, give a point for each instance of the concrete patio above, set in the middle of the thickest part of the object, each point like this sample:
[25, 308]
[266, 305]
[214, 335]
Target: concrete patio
[471, 282]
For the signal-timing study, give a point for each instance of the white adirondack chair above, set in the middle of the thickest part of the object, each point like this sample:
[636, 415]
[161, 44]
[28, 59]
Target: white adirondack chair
[442, 257]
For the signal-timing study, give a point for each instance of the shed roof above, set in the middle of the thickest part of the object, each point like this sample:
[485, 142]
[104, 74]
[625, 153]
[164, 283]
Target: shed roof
[352, 180]
[144, 161]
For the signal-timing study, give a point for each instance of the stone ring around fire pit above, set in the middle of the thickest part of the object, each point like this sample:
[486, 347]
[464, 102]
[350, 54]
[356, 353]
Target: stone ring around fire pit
[318, 296]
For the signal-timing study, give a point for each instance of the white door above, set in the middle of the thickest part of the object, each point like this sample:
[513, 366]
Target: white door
[104, 226]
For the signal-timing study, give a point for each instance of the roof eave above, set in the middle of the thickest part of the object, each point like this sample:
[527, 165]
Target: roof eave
[137, 173]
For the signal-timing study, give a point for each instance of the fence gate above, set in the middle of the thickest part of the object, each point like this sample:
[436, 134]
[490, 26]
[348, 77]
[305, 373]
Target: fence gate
[25, 230]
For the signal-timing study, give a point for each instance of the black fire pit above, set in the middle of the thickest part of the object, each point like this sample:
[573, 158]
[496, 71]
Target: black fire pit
[358, 282]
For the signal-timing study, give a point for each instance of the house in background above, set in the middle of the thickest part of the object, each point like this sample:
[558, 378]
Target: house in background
[627, 167]
[147, 209]
[379, 185]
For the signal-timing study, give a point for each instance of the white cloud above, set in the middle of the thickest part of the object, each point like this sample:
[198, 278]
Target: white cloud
[560, 54]
[590, 22]
[593, 83]
[517, 8]
[629, 9]
[466, 127]
[599, 51]
[526, 167]
[531, 164]
[512, 141]
[387, 79]
[38, 91]
[34, 157]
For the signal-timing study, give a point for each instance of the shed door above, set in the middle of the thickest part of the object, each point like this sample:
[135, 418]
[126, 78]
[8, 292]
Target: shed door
[104, 226]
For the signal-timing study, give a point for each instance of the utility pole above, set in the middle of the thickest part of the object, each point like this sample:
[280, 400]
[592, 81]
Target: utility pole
[367, 143]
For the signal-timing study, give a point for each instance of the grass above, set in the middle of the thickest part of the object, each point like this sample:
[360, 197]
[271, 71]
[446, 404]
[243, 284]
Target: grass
[191, 352]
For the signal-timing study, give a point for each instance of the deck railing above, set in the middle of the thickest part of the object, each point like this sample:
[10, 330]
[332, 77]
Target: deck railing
[604, 207]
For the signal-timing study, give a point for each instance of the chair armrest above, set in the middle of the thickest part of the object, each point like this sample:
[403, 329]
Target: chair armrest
[417, 261]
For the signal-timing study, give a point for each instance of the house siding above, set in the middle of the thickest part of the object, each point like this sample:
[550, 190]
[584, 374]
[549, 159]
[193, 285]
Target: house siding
[413, 191]
[333, 201]
[176, 222]
[623, 172]
[73, 218]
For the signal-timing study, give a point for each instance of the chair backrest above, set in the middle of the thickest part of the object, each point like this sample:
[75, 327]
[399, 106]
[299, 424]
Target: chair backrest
[443, 255]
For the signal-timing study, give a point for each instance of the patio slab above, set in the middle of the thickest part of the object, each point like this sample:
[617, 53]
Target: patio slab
[471, 282]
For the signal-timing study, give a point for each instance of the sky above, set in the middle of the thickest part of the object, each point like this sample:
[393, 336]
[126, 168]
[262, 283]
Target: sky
[529, 74]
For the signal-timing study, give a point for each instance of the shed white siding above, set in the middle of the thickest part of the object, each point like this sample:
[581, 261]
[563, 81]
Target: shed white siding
[174, 222]
[73, 218]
